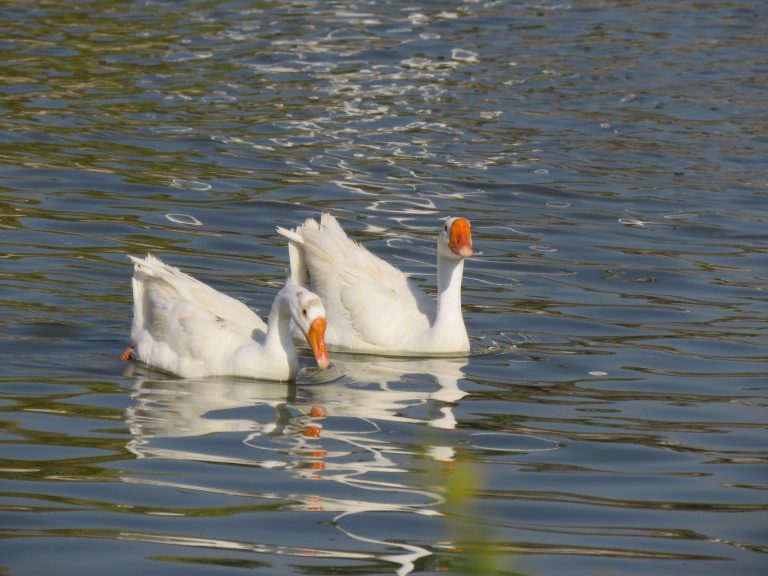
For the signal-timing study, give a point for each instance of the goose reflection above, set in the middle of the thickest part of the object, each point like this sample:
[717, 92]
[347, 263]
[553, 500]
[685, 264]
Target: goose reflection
[362, 392]
[170, 408]
[334, 427]
[379, 390]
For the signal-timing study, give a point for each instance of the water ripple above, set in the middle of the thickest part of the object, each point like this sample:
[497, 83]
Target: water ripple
[612, 163]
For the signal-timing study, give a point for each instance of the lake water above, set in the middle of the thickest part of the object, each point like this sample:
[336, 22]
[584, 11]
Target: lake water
[613, 159]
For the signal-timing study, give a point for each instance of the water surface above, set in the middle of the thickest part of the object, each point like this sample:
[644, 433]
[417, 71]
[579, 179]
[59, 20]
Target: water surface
[612, 158]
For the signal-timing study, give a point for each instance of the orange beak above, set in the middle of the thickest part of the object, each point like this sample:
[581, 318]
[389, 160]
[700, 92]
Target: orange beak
[460, 241]
[316, 339]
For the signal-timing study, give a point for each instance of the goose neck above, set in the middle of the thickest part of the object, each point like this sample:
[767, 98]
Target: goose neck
[449, 277]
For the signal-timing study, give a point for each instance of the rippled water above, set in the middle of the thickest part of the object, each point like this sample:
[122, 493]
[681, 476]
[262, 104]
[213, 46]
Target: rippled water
[612, 158]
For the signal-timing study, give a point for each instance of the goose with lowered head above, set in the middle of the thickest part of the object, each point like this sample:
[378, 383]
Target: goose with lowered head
[183, 326]
[372, 306]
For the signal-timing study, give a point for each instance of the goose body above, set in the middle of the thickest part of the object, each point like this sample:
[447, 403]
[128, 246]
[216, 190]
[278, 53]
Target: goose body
[183, 326]
[372, 306]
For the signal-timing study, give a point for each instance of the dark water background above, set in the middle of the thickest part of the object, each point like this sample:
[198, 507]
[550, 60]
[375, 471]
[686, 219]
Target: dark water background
[612, 158]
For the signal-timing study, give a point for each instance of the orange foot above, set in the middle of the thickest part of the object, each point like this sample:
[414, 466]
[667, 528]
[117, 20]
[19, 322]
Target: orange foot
[127, 354]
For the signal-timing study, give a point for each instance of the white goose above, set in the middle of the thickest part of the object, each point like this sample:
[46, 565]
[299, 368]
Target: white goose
[183, 326]
[372, 306]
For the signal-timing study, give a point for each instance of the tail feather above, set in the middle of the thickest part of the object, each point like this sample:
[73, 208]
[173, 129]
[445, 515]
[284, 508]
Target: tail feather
[298, 273]
[291, 234]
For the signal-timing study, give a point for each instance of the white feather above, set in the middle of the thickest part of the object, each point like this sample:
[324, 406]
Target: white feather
[183, 326]
[371, 305]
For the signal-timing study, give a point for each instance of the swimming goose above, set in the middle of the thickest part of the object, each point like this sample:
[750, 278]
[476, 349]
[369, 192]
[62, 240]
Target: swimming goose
[372, 306]
[183, 326]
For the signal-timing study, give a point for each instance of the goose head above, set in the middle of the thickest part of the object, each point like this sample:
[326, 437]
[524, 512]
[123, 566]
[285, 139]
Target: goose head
[308, 313]
[455, 240]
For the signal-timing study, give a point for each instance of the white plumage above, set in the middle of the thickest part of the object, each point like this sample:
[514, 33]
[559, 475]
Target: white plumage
[183, 326]
[371, 305]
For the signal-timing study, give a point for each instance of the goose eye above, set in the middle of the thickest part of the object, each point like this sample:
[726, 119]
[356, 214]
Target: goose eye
[445, 227]
[304, 312]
